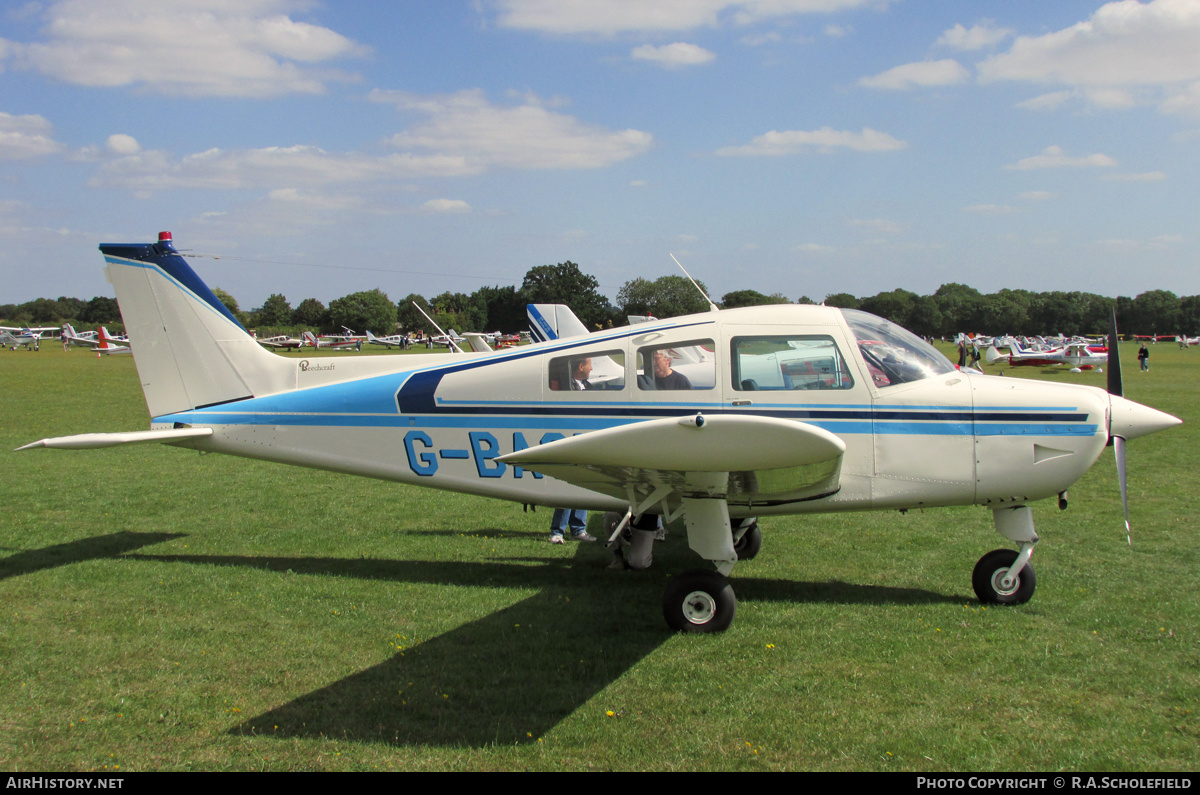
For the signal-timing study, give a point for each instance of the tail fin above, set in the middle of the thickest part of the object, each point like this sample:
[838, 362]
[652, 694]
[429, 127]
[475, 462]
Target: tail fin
[553, 321]
[309, 339]
[191, 351]
[478, 342]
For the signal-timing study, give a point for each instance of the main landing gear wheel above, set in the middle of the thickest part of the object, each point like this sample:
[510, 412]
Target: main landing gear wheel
[750, 543]
[987, 579]
[699, 601]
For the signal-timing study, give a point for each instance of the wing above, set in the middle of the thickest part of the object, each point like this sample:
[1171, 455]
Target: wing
[743, 459]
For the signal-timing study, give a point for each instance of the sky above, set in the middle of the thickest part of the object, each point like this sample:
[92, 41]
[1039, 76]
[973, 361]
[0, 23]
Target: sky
[805, 147]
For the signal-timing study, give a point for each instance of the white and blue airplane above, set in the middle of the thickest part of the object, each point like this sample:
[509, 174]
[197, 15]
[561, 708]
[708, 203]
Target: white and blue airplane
[793, 409]
[29, 337]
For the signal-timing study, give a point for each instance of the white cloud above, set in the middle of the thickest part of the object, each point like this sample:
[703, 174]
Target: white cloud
[1122, 45]
[609, 17]
[271, 167]
[946, 72]
[1186, 100]
[1038, 195]
[121, 144]
[761, 39]
[977, 37]
[465, 126]
[1046, 101]
[1055, 157]
[245, 48]
[673, 56]
[447, 206]
[24, 137]
[790, 142]
[1110, 98]
[462, 135]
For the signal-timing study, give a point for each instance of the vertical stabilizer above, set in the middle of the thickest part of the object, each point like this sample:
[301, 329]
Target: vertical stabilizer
[552, 322]
[190, 350]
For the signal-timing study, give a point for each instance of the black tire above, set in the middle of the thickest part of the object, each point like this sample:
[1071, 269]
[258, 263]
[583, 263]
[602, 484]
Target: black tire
[991, 568]
[750, 543]
[699, 601]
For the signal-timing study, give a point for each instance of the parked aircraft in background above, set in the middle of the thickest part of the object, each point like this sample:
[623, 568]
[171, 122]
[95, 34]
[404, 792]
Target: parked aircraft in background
[280, 341]
[26, 336]
[108, 345]
[336, 343]
[807, 409]
[393, 341]
[85, 339]
[1078, 355]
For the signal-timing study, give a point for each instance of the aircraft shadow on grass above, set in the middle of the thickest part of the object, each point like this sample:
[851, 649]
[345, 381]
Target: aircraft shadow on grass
[506, 678]
[106, 546]
[511, 676]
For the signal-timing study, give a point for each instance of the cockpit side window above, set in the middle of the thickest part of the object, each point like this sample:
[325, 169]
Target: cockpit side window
[893, 354]
[684, 365]
[788, 362]
[603, 370]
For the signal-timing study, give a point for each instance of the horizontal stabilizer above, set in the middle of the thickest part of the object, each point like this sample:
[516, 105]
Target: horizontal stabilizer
[91, 441]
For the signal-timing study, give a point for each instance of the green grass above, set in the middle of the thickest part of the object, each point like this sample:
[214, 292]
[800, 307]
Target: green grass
[170, 611]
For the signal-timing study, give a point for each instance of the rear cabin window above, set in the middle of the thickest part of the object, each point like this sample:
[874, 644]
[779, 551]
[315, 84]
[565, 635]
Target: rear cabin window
[788, 363]
[602, 371]
[686, 365]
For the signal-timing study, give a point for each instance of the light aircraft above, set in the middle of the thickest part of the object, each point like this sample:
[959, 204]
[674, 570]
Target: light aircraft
[107, 344]
[280, 341]
[23, 336]
[755, 442]
[86, 339]
[393, 341]
[450, 339]
[337, 343]
[1076, 354]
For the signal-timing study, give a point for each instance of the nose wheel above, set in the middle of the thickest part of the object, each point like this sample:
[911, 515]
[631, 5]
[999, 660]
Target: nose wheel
[993, 584]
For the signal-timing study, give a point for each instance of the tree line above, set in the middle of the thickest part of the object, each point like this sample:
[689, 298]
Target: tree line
[951, 309]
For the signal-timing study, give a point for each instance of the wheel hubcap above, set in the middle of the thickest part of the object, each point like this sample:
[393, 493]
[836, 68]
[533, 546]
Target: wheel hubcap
[998, 583]
[699, 607]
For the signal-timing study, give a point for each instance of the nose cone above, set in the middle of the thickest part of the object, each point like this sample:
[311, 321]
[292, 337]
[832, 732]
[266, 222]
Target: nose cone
[1130, 420]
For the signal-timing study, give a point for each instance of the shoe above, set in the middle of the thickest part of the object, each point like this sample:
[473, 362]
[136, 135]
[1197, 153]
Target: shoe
[556, 538]
[583, 535]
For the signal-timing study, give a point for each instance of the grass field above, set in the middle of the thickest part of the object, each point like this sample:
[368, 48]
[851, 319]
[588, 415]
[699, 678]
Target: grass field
[164, 610]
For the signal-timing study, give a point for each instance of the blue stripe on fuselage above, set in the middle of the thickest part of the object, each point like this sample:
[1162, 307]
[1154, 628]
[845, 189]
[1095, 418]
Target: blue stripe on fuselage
[883, 423]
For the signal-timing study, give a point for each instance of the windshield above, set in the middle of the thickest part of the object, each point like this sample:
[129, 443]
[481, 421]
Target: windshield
[893, 354]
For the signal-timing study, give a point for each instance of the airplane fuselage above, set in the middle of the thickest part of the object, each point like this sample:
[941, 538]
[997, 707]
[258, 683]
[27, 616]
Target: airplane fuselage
[948, 439]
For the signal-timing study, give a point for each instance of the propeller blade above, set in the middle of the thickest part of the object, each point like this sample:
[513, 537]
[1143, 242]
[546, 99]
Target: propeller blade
[1115, 385]
[1119, 449]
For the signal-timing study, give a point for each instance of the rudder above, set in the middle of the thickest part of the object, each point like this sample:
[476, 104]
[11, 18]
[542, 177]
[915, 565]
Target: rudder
[190, 351]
